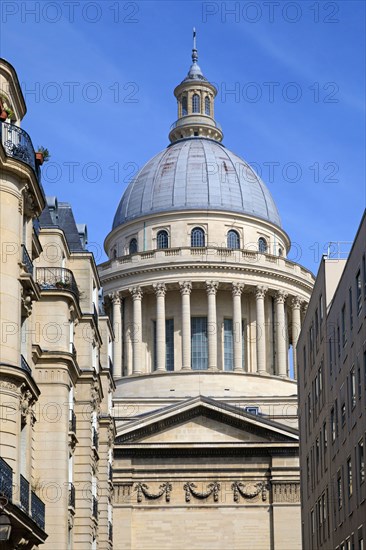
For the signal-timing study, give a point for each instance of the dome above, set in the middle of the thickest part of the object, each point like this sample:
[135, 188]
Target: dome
[196, 174]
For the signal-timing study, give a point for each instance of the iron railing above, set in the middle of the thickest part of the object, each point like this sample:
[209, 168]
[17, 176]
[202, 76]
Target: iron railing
[6, 480]
[51, 278]
[24, 365]
[37, 510]
[24, 493]
[110, 531]
[72, 421]
[95, 508]
[71, 495]
[27, 260]
[18, 144]
[95, 438]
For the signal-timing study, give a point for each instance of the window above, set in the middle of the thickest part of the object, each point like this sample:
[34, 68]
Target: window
[132, 248]
[233, 239]
[349, 477]
[339, 490]
[162, 239]
[184, 106]
[312, 521]
[359, 382]
[350, 308]
[343, 324]
[316, 326]
[361, 461]
[228, 345]
[199, 347]
[252, 410]
[197, 237]
[330, 350]
[352, 387]
[358, 292]
[338, 341]
[321, 309]
[280, 251]
[325, 438]
[262, 245]
[343, 414]
[207, 106]
[195, 103]
[333, 424]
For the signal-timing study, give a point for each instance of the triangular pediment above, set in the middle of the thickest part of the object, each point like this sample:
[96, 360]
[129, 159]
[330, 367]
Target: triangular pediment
[204, 421]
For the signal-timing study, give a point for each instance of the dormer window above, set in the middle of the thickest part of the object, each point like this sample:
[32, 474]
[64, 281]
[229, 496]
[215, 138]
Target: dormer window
[162, 239]
[262, 245]
[207, 106]
[233, 240]
[184, 106]
[132, 249]
[195, 103]
[197, 237]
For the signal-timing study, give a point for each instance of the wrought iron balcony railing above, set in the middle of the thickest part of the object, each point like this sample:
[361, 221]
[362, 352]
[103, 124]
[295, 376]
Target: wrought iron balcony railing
[6, 480]
[24, 493]
[95, 438]
[27, 260]
[95, 508]
[53, 278]
[71, 495]
[24, 365]
[18, 144]
[37, 510]
[110, 531]
[72, 422]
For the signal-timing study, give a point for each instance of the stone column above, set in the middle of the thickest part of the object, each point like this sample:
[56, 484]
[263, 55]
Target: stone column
[280, 299]
[117, 328]
[237, 289]
[211, 288]
[185, 290]
[260, 293]
[160, 291]
[136, 333]
[296, 327]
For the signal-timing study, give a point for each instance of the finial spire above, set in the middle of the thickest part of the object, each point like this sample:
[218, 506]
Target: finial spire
[194, 50]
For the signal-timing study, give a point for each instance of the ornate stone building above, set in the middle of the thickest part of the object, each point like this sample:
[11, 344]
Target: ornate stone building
[206, 312]
[56, 430]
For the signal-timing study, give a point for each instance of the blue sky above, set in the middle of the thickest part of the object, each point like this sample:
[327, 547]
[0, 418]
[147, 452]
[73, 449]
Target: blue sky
[98, 78]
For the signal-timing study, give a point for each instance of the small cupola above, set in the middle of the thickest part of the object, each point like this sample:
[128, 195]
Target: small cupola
[196, 97]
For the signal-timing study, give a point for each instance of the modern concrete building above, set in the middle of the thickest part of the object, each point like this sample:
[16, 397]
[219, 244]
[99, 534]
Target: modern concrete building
[206, 311]
[332, 401]
[56, 431]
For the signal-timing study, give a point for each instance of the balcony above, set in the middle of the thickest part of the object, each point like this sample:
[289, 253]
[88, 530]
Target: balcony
[95, 508]
[95, 438]
[6, 480]
[24, 493]
[24, 365]
[110, 531]
[17, 144]
[57, 278]
[72, 422]
[71, 495]
[37, 510]
[27, 261]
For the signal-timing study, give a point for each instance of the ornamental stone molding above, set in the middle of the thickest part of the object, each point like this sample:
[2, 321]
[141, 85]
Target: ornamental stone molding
[159, 289]
[280, 296]
[25, 405]
[211, 287]
[8, 384]
[296, 302]
[286, 492]
[213, 488]
[115, 298]
[143, 490]
[122, 492]
[249, 490]
[185, 287]
[136, 293]
[260, 292]
[237, 289]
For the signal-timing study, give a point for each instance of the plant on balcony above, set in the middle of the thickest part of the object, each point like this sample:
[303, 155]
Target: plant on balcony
[10, 113]
[62, 284]
[42, 155]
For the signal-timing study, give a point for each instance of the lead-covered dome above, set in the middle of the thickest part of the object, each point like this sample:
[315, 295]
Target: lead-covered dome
[196, 174]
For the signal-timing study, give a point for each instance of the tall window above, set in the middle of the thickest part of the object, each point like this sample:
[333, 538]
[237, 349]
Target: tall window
[228, 345]
[343, 324]
[361, 462]
[350, 305]
[132, 246]
[162, 239]
[199, 346]
[197, 237]
[339, 490]
[233, 239]
[352, 387]
[196, 103]
[169, 344]
[262, 245]
[207, 106]
[349, 477]
[184, 106]
[358, 291]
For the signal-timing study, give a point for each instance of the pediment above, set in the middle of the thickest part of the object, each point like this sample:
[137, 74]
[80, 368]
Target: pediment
[204, 421]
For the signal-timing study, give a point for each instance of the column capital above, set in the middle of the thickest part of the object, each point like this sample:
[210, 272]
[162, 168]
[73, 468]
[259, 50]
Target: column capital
[211, 287]
[296, 302]
[159, 289]
[260, 292]
[115, 298]
[237, 289]
[185, 287]
[280, 296]
[136, 293]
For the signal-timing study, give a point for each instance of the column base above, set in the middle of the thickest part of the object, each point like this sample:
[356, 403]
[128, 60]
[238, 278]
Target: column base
[186, 368]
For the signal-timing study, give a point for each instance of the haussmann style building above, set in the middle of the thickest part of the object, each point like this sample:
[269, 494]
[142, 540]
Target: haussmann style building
[206, 312]
[332, 403]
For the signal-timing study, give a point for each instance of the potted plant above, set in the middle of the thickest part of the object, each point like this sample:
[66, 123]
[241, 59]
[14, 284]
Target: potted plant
[42, 155]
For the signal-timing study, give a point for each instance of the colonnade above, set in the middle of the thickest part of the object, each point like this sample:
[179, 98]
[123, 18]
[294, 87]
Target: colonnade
[281, 341]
